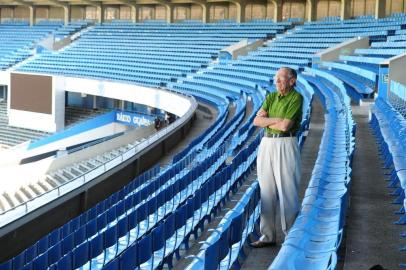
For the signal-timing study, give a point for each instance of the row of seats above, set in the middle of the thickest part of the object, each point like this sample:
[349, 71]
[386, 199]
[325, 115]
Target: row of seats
[224, 246]
[359, 87]
[186, 220]
[70, 231]
[397, 97]
[388, 126]
[141, 192]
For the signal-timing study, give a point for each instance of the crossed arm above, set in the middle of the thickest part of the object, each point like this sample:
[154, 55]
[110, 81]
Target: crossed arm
[262, 120]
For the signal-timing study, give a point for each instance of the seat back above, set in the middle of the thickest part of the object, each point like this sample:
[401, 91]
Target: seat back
[129, 258]
[80, 255]
[144, 251]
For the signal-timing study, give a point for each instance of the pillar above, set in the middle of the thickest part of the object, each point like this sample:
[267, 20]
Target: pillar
[66, 14]
[226, 13]
[188, 12]
[240, 11]
[169, 13]
[205, 12]
[32, 15]
[134, 13]
[94, 102]
[100, 10]
[345, 9]
[380, 7]
[390, 7]
[311, 10]
[277, 13]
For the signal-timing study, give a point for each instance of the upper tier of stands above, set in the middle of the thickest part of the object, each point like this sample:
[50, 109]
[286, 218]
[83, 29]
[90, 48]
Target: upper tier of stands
[19, 39]
[150, 54]
[360, 70]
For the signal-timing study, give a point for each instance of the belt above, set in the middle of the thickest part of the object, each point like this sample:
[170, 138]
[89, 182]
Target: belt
[281, 135]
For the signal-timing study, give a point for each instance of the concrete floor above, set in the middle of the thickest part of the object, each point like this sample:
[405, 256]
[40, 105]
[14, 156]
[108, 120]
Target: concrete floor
[372, 238]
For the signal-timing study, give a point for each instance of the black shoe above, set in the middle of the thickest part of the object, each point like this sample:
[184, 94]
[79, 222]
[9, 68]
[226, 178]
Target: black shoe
[262, 244]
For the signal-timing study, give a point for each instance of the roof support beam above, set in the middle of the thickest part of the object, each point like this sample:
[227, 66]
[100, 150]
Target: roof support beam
[203, 4]
[66, 10]
[311, 10]
[380, 9]
[134, 9]
[31, 9]
[277, 13]
[240, 8]
[100, 10]
[32, 14]
[169, 9]
[345, 9]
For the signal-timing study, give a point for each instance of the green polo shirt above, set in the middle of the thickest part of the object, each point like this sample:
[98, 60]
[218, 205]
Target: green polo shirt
[286, 107]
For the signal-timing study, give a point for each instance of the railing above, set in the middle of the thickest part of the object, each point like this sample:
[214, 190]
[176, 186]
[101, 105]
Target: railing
[18, 211]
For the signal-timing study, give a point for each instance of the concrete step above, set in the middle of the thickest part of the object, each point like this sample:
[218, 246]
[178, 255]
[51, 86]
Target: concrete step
[45, 184]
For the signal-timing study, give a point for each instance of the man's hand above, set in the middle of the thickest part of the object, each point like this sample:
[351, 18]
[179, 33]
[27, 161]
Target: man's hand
[262, 113]
[262, 119]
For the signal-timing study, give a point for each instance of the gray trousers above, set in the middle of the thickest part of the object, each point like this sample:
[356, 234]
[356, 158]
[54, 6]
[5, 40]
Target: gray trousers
[278, 165]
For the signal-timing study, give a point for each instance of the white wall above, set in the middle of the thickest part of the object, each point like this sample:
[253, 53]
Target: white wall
[397, 68]
[5, 78]
[32, 120]
[93, 134]
[345, 48]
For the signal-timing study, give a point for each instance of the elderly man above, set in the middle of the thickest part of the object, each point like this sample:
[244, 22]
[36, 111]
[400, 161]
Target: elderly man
[278, 161]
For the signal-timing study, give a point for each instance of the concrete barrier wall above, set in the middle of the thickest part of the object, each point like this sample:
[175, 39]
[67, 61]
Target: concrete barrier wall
[397, 68]
[344, 48]
[61, 43]
[248, 48]
[391, 69]
[241, 48]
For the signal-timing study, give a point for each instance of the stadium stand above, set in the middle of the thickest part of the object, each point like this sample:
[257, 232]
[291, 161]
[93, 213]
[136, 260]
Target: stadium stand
[151, 219]
[19, 40]
[360, 70]
[138, 50]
